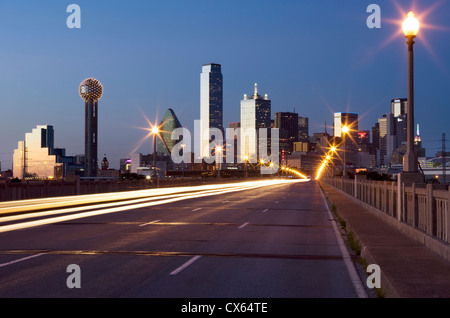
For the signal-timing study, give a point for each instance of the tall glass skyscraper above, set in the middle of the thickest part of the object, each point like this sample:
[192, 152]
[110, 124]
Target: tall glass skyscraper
[255, 114]
[211, 103]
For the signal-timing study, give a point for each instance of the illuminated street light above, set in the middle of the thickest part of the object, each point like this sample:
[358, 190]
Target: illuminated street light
[218, 156]
[245, 165]
[261, 162]
[411, 25]
[345, 129]
[345, 132]
[155, 132]
[410, 29]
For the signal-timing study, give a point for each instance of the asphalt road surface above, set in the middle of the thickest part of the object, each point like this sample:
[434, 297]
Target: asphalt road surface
[273, 241]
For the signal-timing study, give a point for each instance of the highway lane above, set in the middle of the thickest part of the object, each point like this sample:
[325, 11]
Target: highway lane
[271, 241]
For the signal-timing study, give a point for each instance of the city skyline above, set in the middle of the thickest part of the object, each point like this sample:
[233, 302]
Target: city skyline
[302, 65]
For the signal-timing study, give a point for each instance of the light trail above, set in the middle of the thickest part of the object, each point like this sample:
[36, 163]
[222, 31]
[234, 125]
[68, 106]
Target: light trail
[171, 195]
[59, 202]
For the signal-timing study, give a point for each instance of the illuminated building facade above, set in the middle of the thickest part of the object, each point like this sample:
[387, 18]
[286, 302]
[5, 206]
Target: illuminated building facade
[91, 90]
[211, 103]
[255, 114]
[399, 106]
[345, 119]
[34, 156]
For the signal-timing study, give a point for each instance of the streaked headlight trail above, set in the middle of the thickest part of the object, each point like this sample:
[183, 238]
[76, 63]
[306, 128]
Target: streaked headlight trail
[98, 204]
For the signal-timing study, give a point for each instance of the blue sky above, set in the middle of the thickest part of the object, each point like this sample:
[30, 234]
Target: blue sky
[318, 56]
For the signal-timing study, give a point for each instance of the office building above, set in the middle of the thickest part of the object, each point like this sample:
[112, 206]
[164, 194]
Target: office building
[399, 106]
[303, 129]
[345, 119]
[287, 123]
[34, 158]
[91, 90]
[211, 104]
[255, 114]
[164, 142]
[363, 141]
[387, 139]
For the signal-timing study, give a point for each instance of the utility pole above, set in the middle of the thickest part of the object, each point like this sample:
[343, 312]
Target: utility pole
[444, 177]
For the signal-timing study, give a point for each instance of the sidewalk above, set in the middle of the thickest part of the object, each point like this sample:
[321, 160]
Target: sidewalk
[408, 268]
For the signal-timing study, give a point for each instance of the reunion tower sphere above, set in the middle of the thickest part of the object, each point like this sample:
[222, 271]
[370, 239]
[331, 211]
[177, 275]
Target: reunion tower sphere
[91, 89]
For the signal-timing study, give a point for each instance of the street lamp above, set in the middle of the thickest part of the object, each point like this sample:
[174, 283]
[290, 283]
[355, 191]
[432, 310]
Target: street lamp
[410, 29]
[155, 131]
[344, 133]
[245, 166]
[261, 162]
[218, 155]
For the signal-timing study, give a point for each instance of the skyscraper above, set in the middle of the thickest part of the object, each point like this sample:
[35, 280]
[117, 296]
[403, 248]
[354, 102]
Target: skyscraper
[288, 124]
[168, 124]
[303, 129]
[387, 138]
[345, 119]
[34, 156]
[399, 106]
[211, 103]
[255, 114]
[91, 90]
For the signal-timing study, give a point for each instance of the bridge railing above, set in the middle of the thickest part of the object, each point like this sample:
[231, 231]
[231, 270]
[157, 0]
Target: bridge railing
[424, 207]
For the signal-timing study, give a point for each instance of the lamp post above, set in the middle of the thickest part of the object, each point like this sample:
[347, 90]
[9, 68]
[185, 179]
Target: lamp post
[260, 167]
[155, 131]
[410, 29]
[333, 150]
[219, 159]
[344, 133]
[182, 167]
[245, 166]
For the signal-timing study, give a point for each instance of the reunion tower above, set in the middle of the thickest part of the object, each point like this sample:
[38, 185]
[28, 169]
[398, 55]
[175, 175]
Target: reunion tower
[91, 90]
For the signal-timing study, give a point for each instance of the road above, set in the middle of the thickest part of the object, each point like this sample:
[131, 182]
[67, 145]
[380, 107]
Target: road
[276, 240]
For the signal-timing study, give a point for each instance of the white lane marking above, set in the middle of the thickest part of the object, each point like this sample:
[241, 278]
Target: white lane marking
[150, 223]
[21, 260]
[243, 225]
[265, 210]
[357, 284]
[196, 209]
[277, 201]
[189, 262]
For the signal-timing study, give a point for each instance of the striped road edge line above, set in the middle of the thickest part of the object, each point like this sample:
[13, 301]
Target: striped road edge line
[356, 280]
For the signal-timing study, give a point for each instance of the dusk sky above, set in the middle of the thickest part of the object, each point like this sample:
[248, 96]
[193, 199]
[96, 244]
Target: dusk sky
[319, 56]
